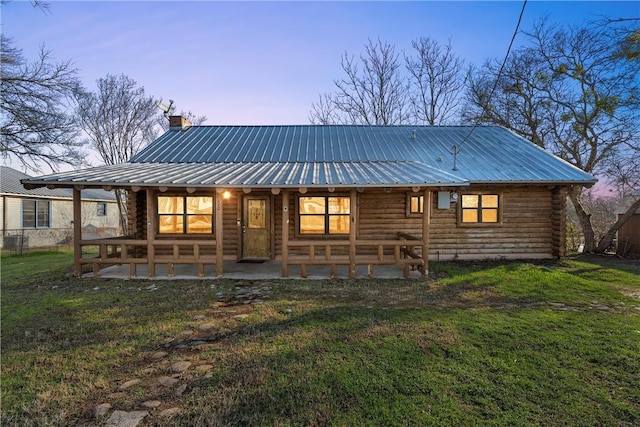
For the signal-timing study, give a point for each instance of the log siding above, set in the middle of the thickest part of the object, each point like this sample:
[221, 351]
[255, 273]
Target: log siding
[532, 222]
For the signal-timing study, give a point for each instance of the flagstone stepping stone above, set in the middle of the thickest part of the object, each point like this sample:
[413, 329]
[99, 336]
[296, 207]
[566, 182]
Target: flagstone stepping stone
[151, 404]
[207, 326]
[240, 316]
[204, 368]
[180, 390]
[126, 419]
[199, 317]
[159, 355]
[169, 412]
[180, 366]
[101, 409]
[186, 332]
[128, 384]
[168, 381]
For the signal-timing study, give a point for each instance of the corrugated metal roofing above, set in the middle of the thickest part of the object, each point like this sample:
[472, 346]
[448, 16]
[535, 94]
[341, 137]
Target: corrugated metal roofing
[10, 185]
[310, 155]
[259, 175]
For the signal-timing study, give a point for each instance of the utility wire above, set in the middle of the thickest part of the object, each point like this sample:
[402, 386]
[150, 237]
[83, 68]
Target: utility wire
[456, 147]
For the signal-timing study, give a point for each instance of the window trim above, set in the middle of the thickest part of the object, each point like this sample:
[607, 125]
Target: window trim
[36, 225]
[101, 212]
[185, 215]
[324, 235]
[479, 208]
[420, 198]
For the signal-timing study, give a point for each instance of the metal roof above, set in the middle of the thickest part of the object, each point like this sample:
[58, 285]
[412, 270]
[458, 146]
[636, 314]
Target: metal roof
[10, 185]
[312, 155]
[336, 174]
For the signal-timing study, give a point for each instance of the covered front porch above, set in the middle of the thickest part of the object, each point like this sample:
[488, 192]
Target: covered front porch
[223, 252]
[267, 270]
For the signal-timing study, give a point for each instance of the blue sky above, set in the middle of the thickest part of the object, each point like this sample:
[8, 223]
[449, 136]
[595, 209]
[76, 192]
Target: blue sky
[264, 62]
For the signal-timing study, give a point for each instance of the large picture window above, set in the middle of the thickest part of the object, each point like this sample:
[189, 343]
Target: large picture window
[480, 208]
[185, 214]
[324, 215]
[36, 214]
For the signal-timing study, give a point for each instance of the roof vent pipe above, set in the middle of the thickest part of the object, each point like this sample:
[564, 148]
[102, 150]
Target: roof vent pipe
[413, 134]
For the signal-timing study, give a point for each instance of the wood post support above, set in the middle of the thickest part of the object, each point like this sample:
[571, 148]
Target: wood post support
[426, 222]
[77, 232]
[219, 218]
[285, 234]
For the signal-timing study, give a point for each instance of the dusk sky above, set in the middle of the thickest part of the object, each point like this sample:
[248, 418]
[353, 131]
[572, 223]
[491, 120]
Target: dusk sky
[263, 62]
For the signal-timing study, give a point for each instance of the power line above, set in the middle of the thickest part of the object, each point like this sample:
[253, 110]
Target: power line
[456, 147]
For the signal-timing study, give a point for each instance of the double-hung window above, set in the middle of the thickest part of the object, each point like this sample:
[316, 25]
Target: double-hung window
[185, 214]
[323, 215]
[101, 209]
[36, 214]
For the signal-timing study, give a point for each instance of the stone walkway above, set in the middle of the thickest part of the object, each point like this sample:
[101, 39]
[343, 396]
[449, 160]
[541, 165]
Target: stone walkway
[170, 371]
[172, 368]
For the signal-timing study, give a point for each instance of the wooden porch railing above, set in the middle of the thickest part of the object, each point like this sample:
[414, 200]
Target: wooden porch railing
[382, 252]
[100, 253]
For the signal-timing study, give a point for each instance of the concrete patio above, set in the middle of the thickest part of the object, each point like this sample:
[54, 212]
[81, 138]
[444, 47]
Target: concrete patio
[253, 271]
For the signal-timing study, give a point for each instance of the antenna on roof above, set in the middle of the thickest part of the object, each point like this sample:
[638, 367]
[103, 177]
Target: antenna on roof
[455, 150]
[166, 109]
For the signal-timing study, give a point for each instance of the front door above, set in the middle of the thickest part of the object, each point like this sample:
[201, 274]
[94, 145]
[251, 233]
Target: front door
[255, 227]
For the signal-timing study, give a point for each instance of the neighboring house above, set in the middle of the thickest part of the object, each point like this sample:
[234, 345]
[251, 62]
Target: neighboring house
[628, 238]
[333, 195]
[44, 217]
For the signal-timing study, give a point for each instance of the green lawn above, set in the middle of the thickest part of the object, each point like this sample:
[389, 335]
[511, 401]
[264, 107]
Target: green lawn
[517, 343]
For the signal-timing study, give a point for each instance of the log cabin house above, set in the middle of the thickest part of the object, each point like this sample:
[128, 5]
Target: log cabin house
[329, 195]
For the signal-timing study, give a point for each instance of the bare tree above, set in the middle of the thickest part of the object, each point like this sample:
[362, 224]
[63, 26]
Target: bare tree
[43, 6]
[437, 80]
[325, 112]
[119, 120]
[373, 92]
[36, 126]
[571, 92]
[163, 120]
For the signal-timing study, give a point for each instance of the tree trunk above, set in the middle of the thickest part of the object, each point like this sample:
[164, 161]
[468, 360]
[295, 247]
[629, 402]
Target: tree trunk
[585, 220]
[606, 240]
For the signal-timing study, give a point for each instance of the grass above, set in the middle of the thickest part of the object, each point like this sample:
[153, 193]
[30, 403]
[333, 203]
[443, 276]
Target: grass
[518, 343]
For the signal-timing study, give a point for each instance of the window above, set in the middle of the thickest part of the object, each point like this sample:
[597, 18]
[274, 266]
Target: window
[324, 215]
[480, 208]
[185, 214]
[36, 214]
[102, 209]
[415, 204]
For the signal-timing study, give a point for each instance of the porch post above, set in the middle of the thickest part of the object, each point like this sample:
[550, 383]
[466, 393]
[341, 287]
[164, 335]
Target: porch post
[352, 233]
[426, 221]
[77, 231]
[284, 271]
[219, 218]
[151, 230]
